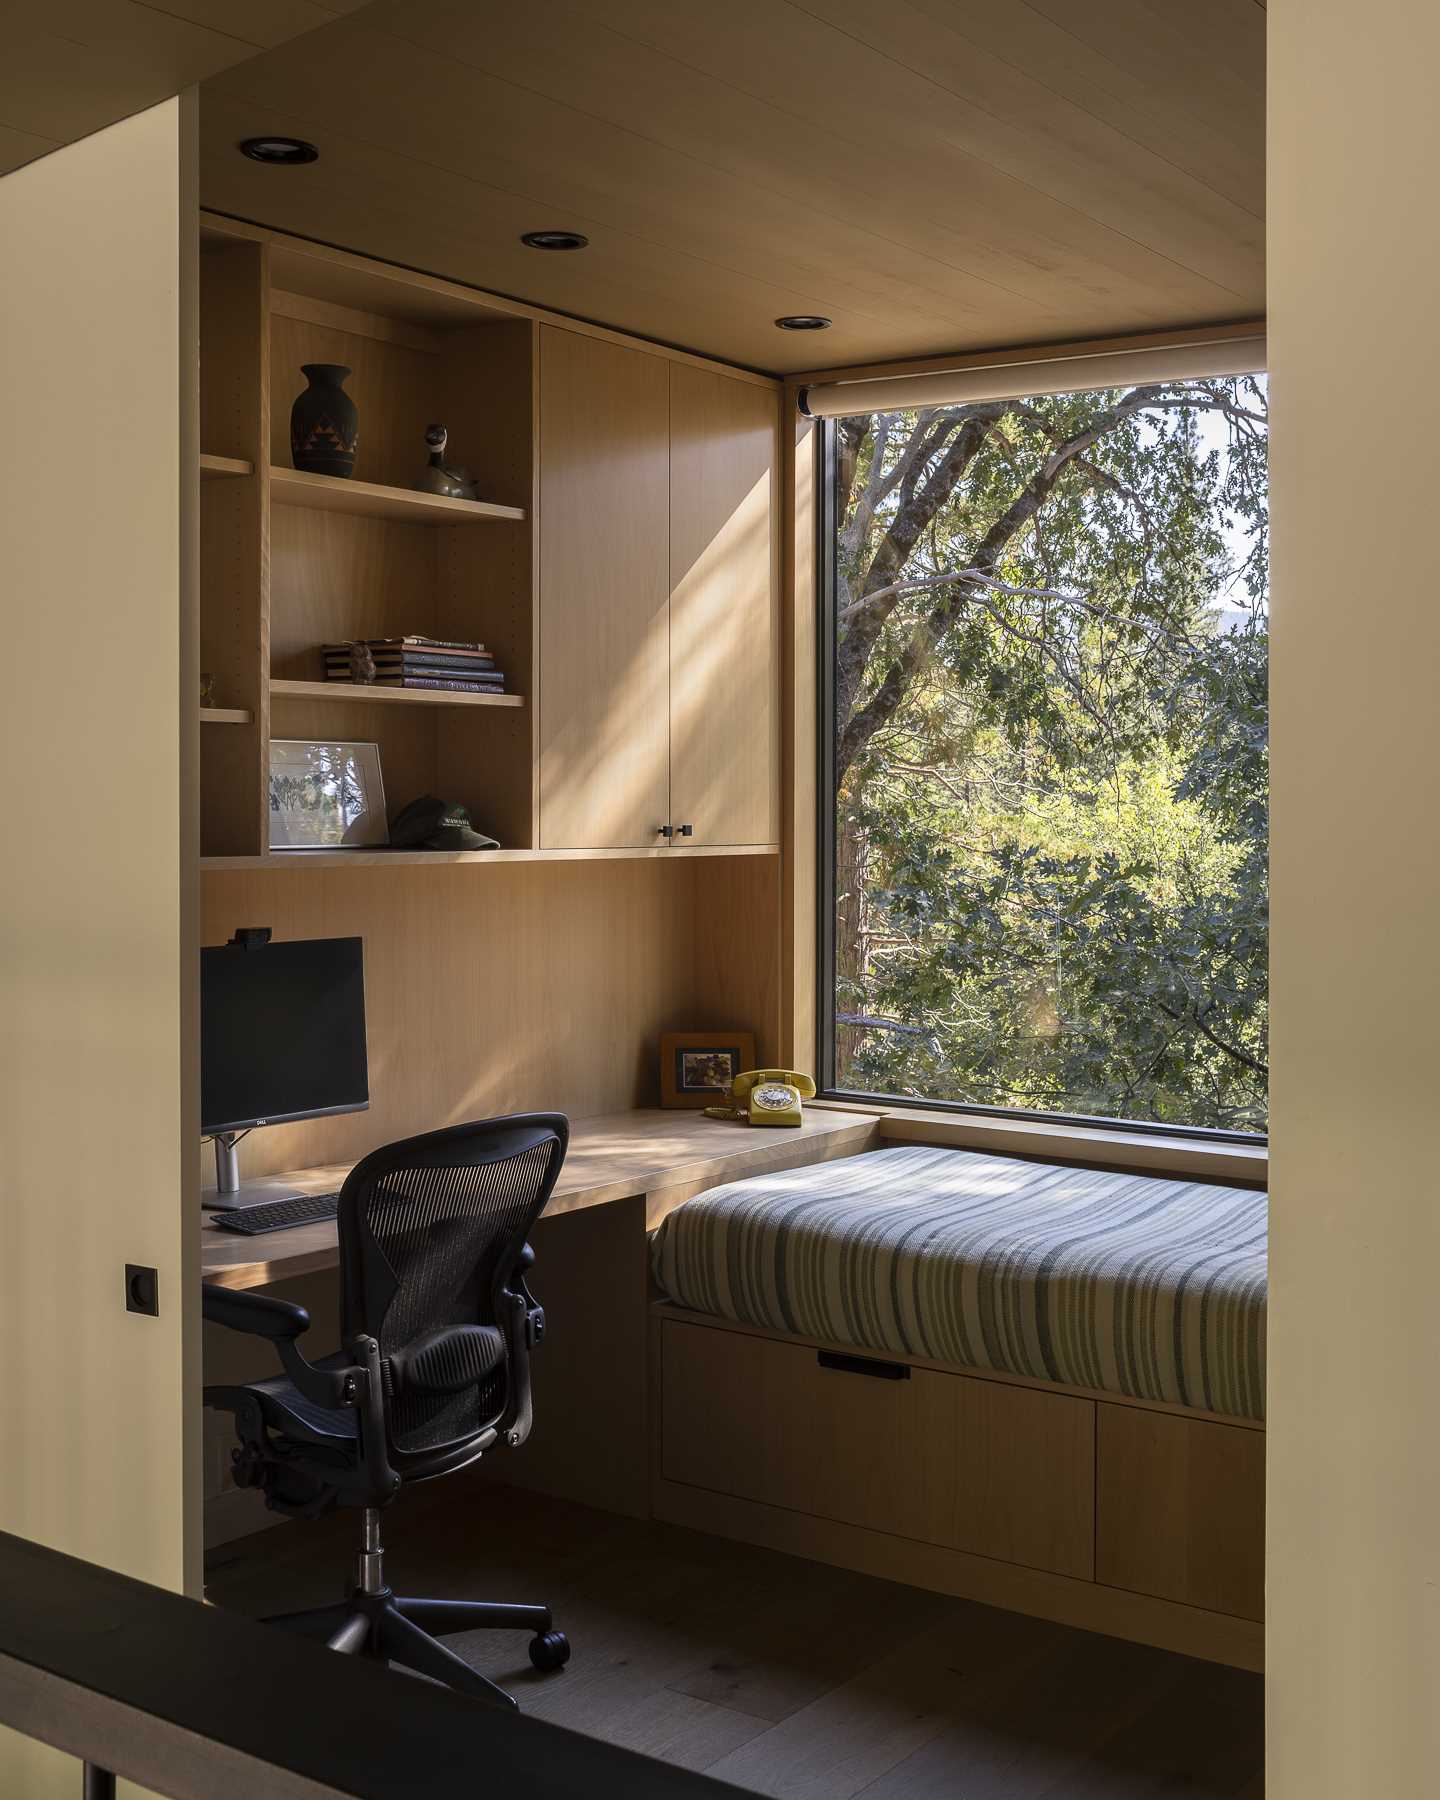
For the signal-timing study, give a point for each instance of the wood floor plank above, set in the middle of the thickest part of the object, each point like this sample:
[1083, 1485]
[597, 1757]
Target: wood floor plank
[1204, 1738]
[1028, 1739]
[629, 1630]
[676, 1728]
[847, 1740]
[659, 1603]
[811, 1635]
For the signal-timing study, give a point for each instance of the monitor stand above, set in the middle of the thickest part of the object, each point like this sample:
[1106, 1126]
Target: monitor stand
[229, 1191]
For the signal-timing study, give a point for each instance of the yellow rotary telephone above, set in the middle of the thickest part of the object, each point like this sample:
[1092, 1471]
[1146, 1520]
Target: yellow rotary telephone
[766, 1097]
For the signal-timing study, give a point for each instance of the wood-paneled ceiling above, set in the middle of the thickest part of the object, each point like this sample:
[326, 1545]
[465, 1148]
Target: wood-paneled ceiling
[935, 175]
[70, 67]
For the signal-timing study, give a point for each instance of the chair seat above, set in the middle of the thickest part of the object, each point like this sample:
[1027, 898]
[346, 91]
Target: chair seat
[287, 1411]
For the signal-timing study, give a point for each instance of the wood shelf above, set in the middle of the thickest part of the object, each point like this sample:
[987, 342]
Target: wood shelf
[367, 499]
[225, 715]
[216, 468]
[369, 694]
[340, 859]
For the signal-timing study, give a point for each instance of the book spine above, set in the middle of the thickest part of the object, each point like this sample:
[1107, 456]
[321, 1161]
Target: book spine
[484, 677]
[409, 647]
[497, 686]
[399, 677]
[480, 664]
[409, 644]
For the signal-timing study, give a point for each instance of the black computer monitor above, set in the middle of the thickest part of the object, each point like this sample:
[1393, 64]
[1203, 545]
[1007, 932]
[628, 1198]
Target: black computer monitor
[282, 1036]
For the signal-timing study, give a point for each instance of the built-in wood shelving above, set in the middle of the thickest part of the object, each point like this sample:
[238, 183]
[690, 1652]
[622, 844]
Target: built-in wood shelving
[336, 859]
[291, 561]
[388, 696]
[217, 468]
[369, 500]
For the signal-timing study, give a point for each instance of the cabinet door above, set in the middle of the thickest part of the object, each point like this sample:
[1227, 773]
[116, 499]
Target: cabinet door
[724, 609]
[1181, 1510]
[604, 649]
[987, 1467]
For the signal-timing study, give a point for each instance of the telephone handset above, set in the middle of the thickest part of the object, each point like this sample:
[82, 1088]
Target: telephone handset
[766, 1097]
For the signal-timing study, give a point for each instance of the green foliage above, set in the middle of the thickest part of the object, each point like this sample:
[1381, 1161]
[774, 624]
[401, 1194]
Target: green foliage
[1052, 766]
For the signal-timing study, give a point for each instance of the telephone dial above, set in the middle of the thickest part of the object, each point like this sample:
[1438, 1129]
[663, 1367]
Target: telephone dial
[766, 1097]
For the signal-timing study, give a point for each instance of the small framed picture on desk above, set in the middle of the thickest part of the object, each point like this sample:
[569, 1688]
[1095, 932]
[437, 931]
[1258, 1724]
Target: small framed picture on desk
[697, 1067]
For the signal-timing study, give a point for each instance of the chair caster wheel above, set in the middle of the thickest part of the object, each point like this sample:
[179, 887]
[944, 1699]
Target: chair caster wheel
[550, 1650]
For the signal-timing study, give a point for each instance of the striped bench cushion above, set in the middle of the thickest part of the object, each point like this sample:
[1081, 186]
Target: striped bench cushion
[1126, 1283]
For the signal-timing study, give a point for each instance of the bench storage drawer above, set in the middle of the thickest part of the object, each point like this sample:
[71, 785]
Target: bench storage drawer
[1182, 1510]
[986, 1467]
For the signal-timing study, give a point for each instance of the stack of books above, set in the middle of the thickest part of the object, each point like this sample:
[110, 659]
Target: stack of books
[416, 662]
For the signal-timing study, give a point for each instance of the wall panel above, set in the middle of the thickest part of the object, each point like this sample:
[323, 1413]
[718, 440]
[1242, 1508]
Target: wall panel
[99, 476]
[1353, 1555]
[489, 990]
[733, 940]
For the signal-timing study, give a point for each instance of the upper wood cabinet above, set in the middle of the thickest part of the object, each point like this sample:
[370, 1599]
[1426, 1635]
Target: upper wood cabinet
[659, 601]
[604, 594]
[724, 616]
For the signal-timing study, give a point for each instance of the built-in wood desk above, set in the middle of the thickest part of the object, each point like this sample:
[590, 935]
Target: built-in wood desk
[665, 1156]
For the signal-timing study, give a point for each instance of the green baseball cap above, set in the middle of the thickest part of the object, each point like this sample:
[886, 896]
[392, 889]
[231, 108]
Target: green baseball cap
[431, 824]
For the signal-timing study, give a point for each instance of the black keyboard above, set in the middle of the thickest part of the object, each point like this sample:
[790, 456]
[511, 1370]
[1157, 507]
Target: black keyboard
[279, 1215]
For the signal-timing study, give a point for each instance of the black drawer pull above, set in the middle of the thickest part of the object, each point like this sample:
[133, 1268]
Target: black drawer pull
[863, 1365]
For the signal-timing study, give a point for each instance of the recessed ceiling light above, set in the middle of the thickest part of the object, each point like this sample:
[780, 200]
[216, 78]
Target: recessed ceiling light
[804, 322]
[555, 240]
[283, 152]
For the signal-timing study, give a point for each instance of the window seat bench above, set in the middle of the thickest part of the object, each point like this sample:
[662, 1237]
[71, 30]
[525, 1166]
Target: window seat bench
[1032, 1385]
[1124, 1283]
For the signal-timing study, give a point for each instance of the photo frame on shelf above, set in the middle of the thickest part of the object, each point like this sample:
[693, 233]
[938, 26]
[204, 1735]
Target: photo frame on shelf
[697, 1067]
[326, 795]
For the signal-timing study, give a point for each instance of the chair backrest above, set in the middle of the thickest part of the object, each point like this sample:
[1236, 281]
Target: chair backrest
[432, 1244]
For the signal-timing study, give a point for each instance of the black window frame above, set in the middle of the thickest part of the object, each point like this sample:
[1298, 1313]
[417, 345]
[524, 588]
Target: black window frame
[825, 521]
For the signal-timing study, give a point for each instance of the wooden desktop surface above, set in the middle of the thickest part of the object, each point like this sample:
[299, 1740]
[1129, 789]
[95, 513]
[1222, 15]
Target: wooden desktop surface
[666, 1156]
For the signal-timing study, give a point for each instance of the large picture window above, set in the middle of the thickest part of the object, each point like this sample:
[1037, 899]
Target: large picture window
[1046, 637]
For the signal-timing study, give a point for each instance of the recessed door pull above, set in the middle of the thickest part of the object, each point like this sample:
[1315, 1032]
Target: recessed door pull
[863, 1365]
[142, 1290]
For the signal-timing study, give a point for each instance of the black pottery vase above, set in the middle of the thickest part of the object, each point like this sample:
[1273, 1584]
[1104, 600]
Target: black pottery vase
[324, 423]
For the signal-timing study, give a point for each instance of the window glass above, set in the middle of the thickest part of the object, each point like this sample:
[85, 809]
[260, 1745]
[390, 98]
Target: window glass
[1048, 644]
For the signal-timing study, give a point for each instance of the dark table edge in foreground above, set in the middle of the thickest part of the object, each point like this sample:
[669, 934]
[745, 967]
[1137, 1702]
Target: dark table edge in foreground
[196, 1703]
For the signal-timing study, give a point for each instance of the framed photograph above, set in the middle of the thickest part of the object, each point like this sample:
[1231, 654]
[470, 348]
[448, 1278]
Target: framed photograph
[326, 796]
[697, 1067]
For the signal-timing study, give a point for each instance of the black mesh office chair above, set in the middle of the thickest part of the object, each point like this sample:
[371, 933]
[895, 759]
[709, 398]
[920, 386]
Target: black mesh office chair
[438, 1325]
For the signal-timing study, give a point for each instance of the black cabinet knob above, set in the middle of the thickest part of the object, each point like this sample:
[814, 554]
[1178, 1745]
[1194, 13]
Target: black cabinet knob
[687, 831]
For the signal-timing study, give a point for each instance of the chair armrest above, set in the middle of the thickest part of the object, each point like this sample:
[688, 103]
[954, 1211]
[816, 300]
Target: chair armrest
[534, 1311]
[522, 1319]
[261, 1315]
[332, 1388]
[241, 1309]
